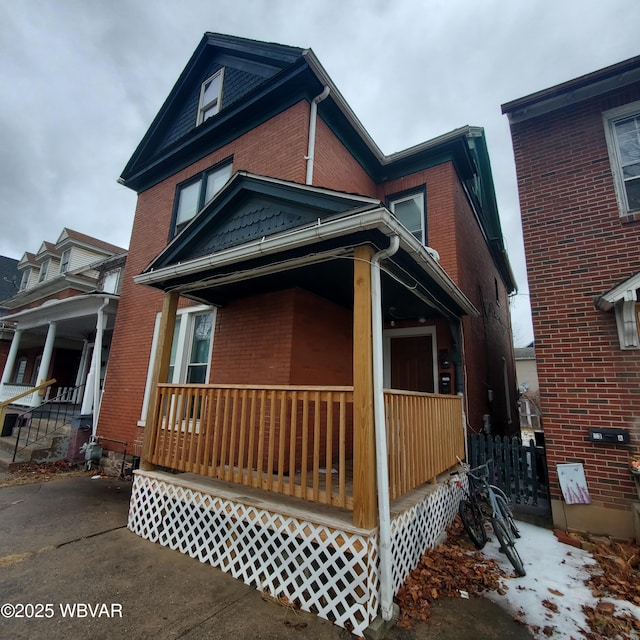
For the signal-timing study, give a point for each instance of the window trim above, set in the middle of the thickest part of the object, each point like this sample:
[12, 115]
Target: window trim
[610, 118]
[407, 194]
[217, 101]
[185, 331]
[24, 282]
[64, 265]
[200, 177]
[44, 270]
[112, 272]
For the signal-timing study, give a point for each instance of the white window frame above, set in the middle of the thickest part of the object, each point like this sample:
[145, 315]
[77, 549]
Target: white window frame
[214, 103]
[185, 335]
[21, 368]
[111, 278]
[24, 282]
[388, 334]
[610, 118]
[65, 261]
[413, 195]
[44, 270]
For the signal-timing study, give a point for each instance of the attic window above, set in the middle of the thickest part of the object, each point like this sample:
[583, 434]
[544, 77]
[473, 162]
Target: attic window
[64, 262]
[25, 279]
[44, 268]
[210, 96]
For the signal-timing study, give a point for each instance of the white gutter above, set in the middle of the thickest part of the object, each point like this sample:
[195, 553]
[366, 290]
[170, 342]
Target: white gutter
[369, 219]
[313, 116]
[382, 468]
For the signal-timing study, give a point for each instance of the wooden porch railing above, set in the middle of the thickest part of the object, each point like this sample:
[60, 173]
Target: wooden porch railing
[294, 441]
[425, 433]
[298, 441]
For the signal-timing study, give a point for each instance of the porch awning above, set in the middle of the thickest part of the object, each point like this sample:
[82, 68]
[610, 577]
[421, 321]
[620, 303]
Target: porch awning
[316, 256]
[76, 316]
[624, 299]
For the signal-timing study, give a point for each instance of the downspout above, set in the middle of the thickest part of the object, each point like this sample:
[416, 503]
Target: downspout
[382, 468]
[313, 116]
[97, 350]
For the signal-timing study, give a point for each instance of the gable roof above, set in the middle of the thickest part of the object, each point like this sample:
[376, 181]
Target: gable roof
[291, 74]
[68, 235]
[626, 290]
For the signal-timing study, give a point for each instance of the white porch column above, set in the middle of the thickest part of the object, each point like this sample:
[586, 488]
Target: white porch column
[46, 361]
[97, 364]
[82, 367]
[11, 358]
[87, 398]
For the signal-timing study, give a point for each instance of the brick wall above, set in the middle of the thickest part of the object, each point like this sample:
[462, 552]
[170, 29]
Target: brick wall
[276, 148]
[577, 248]
[455, 234]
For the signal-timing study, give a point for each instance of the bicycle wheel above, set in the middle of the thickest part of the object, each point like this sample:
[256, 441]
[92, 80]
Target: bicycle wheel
[473, 522]
[508, 546]
[503, 505]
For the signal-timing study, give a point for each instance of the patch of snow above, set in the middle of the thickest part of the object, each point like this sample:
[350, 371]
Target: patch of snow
[550, 565]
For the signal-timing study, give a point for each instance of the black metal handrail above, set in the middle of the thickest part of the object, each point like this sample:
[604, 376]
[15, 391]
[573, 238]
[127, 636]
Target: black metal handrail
[50, 412]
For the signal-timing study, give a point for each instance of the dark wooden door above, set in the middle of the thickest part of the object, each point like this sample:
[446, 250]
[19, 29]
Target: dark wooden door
[412, 363]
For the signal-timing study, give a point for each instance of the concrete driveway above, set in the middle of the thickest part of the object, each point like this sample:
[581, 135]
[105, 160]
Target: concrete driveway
[69, 568]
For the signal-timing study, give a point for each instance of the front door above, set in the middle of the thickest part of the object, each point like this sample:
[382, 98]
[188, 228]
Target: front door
[412, 363]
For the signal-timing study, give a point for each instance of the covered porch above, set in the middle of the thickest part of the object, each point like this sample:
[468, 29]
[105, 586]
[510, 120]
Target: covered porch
[67, 340]
[326, 494]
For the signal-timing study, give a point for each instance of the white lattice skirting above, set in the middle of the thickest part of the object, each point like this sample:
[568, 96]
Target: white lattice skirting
[324, 570]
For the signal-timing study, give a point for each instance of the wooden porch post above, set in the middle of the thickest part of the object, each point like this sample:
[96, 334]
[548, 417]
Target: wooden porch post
[160, 371]
[364, 446]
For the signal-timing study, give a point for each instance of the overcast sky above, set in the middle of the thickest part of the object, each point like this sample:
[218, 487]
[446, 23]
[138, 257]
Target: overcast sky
[81, 81]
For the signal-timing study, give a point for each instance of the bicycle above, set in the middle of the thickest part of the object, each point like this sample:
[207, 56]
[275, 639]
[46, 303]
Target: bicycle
[502, 522]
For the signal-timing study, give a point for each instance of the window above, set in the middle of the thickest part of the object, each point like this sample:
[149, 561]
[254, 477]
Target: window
[190, 349]
[191, 197]
[44, 268]
[409, 209]
[210, 96]
[64, 261]
[25, 279]
[622, 128]
[20, 369]
[111, 283]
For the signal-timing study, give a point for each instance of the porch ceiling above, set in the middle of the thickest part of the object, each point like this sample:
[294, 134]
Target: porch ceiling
[331, 279]
[75, 317]
[319, 258]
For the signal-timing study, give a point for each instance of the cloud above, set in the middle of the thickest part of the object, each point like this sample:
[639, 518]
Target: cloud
[83, 79]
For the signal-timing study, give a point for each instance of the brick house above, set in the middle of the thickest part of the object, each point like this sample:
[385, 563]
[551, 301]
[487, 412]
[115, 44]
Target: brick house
[289, 290]
[577, 160]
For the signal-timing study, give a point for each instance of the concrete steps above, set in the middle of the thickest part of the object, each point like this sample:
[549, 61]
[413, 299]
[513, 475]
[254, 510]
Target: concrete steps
[47, 448]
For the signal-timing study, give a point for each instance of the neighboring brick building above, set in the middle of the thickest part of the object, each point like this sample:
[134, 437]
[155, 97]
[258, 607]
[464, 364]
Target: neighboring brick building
[263, 208]
[577, 153]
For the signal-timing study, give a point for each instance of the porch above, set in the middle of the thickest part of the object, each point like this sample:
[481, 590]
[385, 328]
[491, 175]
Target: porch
[298, 440]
